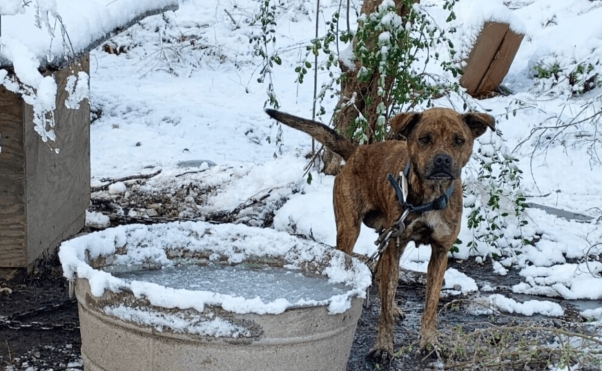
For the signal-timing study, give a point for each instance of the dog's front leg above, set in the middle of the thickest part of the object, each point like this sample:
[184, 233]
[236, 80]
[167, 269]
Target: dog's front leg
[434, 281]
[388, 276]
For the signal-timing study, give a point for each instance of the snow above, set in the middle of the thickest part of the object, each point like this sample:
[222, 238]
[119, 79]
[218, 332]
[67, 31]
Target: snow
[459, 281]
[12, 7]
[528, 308]
[570, 281]
[472, 14]
[84, 21]
[117, 188]
[499, 269]
[182, 103]
[177, 322]
[97, 220]
[51, 32]
[593, 314]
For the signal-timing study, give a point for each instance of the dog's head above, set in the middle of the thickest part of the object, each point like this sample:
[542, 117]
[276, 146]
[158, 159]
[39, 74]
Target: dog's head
[440, 140]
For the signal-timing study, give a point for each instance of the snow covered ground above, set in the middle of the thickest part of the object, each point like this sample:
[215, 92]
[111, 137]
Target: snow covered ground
[161, 103]
[183, 86]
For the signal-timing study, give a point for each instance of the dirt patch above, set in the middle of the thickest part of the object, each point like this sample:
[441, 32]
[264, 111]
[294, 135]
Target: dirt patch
[162, 199]
[59, 348]
[45, 332]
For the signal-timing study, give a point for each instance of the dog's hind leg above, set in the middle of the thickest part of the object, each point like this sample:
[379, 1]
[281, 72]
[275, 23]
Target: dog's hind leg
[347, 215]
[348, 230]
[434, 281]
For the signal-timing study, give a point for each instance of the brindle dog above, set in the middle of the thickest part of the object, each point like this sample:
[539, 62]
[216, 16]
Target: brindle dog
[436, 144]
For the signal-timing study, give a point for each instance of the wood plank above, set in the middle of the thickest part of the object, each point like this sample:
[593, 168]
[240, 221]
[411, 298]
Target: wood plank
[501, 62]
[13, 248]
[58, 185]
[482, 54]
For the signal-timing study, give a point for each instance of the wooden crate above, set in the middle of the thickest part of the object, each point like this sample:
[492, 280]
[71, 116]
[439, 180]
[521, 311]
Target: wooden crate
[490, 58]
[43, 195]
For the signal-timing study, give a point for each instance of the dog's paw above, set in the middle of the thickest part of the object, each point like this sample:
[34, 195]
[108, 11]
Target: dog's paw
[430, 347]
[378, 359]
[428, 338]
[432, 352]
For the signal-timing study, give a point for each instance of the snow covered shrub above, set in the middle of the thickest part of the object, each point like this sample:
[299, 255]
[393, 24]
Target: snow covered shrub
[404, 50]
[559, 77]
[399, 49]
[495, 201]
[576, 130]
[563, 65]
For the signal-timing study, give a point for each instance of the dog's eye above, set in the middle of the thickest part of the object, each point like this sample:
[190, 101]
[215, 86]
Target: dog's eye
[459, 141]
[425, 139]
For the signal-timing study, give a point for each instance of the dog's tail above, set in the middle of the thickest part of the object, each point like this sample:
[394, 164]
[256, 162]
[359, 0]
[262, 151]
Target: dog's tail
[320, 132]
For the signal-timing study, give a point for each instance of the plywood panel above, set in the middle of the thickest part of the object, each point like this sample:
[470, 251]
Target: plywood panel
[13, 248]
[58, 185]
[501, 62]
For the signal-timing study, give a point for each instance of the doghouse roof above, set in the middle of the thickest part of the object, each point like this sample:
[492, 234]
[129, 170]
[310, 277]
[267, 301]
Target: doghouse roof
[88, 24]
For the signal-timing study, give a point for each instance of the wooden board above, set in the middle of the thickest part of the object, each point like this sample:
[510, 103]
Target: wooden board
[490, 58]
[13, 248]
[499, 66]
[58, 185]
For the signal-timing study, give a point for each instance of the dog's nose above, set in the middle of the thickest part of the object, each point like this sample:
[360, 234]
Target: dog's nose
[443, 161]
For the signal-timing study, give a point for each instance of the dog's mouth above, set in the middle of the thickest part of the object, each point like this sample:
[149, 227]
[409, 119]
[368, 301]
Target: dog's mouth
[440, 175]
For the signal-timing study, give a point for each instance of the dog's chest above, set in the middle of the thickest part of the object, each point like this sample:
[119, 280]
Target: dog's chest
[429, 226]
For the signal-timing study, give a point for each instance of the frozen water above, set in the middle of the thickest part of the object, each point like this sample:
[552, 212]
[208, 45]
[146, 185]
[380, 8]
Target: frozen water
[268, 283]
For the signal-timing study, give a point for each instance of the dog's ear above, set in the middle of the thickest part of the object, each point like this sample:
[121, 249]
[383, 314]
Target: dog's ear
[478, 123]
[403, 124]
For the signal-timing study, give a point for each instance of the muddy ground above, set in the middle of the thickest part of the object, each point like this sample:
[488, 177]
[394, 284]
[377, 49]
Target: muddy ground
[52, 339]
[43, 332]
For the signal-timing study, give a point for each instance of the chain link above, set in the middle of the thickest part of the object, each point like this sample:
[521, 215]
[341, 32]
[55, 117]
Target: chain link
[12, 323]
[394, 231]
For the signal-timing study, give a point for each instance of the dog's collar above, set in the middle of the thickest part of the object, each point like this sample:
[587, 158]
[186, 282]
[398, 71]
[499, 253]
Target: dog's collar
[438, 204]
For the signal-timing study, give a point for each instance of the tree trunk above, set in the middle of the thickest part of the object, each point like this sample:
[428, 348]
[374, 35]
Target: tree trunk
[346, 114]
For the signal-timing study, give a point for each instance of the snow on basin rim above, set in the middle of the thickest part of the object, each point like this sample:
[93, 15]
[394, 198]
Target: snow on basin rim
[143, 243]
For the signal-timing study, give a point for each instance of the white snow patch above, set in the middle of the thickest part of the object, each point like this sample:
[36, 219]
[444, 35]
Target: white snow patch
[486, 305]
[499, 268]
[593, 313]
[346, 57]
[97, 220]
[117, 188]
[454, 279]
[84, 22]
[570, 281]
[11, 7]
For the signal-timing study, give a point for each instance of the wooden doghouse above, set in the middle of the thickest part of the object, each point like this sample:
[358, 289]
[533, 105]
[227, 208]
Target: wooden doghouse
[44, 195]
[490, 58]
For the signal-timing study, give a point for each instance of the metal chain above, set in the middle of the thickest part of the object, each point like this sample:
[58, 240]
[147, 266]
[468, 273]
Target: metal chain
[11, 322]
[393, 231]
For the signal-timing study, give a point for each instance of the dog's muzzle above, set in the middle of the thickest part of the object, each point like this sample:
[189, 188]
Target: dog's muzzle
[441, 169]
